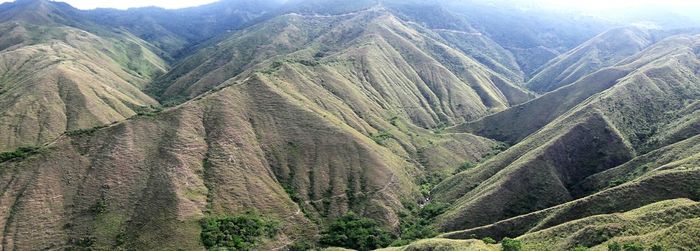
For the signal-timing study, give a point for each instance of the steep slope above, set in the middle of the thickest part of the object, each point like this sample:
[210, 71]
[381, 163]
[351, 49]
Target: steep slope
[604, 131]
[447, 85]
[56, 78]
[670, 224]
[459, 34]
[337, 106]
[602, 51]
[228, 153]
[533, 35]
[39, 12]
[668, 173]
[301, 138]
[514, 124]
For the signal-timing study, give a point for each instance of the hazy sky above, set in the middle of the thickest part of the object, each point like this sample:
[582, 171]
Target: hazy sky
[585, 4]
[124, 4]
[598, 4]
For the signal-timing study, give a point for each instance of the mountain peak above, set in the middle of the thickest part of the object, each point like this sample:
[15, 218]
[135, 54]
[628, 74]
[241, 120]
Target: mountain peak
[43, 12]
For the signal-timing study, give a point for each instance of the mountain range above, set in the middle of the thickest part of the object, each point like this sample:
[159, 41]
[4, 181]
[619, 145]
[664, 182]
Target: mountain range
[312, 124]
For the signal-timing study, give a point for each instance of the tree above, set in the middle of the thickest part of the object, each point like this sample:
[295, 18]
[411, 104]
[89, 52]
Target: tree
[489, 240]
[633, 247]
[615, 246]
[302, 245]
[509, 244]
[240, 232]
[657, 247]
[353, 231]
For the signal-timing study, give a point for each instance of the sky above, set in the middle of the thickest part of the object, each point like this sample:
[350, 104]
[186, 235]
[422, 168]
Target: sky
[616, 4]
[580, 4]
[125, 4]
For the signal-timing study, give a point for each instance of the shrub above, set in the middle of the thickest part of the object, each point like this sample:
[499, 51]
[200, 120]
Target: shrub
[633, 247]
[412, 228]
[466, 166]
[353, 231]
[293, 194]
[615, 246]
[489, 240]
[240, 232]
[415, 224]
[394, 121]
[579, 248]
[440, 128]
[86, 131]
[433, 209]
[19, 154]
[616, 182]
[99, 208]
[302, 245]
[147, 111]
[509, 244]
[82, 243]
[430, 181]
[657, 247]
[381, 137]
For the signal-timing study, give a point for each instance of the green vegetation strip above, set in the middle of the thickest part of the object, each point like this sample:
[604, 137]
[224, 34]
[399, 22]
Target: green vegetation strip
[19, 154]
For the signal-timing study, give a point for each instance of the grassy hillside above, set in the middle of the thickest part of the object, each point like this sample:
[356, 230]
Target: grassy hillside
[56, 78]
[602, 51]
[446, 244]
[658, 223]
[359, 124]
[609, 128]
[445, 85]
[301, 139]
[516, 123]
[644, 185]
[534, 36]
[668, 224]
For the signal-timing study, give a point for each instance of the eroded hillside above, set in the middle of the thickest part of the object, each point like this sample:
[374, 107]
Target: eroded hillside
[413, 115]
[57, 78]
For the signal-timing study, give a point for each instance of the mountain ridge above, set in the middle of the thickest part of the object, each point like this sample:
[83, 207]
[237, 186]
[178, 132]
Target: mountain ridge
[449, 125]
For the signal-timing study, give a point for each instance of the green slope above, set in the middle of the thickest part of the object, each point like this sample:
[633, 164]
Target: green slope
[515, 124]
[331, 108]
[672, 166]
[407, 56]
[301, 138]
[56, 78]
[669, 224]
[608, 129]
[602, 51]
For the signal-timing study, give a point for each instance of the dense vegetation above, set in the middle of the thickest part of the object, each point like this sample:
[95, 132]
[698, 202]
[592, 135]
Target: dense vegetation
[238, 232]
[509, 244]
[415, 223]
[356, 232]
[20, 153]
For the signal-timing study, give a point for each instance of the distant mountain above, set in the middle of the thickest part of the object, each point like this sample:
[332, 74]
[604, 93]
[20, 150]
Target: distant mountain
[605, 50]
[40, 12]
[175, 31]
